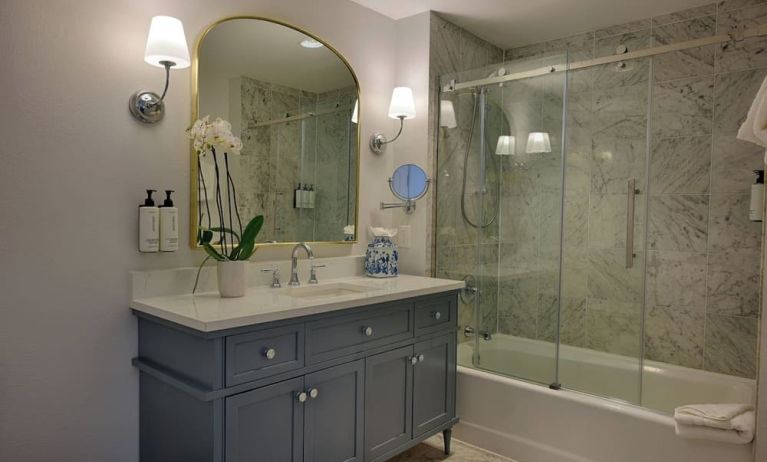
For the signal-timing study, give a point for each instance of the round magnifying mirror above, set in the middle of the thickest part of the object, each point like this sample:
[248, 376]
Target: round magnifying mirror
[409, 182]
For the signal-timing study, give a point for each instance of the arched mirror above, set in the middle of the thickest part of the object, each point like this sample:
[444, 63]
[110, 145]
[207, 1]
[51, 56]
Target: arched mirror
[292, 100]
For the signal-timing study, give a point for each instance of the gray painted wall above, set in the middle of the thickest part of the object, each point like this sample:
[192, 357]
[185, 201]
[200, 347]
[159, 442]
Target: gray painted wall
[74, 166]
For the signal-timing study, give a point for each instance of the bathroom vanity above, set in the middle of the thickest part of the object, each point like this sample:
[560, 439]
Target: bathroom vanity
[357, 369]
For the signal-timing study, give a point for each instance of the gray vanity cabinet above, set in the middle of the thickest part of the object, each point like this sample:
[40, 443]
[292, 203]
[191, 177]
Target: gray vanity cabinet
[333, 413]
[354, 385]
[433, 383]
[388, 401]
[266, 424]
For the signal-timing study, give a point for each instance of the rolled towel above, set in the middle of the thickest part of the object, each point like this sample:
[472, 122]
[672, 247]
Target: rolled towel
[754, 129]
[729, 423]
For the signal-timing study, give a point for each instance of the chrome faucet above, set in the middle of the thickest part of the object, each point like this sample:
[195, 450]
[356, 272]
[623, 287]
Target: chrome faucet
[294, 262]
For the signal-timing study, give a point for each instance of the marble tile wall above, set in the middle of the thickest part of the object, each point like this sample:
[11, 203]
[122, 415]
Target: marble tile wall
[275, 158]
[453, 50]
[701, 281]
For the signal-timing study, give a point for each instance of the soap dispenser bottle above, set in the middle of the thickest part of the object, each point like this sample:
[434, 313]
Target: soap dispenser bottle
[297, 197]
[168, 224]
[148, 225]
[756, 209]
[312, 196]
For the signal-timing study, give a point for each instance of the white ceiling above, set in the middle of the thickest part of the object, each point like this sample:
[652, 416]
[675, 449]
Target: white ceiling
[272, 53]
[510, 23]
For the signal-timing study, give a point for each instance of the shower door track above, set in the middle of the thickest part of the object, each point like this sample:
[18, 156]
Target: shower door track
[737, 36]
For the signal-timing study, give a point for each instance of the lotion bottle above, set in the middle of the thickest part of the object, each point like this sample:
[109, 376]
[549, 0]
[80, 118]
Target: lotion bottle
[312, 196]
[148, 225]
[168, 224]
[756, 209]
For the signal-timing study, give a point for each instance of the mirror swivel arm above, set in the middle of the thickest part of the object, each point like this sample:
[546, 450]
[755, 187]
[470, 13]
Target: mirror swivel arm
[408, 205]
[378, 140]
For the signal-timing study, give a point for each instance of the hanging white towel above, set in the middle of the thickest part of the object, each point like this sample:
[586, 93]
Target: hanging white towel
[754, 129]
[728, 423]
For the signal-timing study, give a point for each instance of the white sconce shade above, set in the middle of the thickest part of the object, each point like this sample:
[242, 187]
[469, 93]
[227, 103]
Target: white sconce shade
[402, 103]
[166, 43]
[538, 142]
[447, 114]
[355, 113]
[506, 145]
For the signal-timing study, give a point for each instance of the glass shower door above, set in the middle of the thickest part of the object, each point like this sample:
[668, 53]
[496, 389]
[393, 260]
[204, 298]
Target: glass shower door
[604, 229]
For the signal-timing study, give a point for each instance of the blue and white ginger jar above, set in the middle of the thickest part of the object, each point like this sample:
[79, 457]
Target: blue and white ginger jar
[381, 258]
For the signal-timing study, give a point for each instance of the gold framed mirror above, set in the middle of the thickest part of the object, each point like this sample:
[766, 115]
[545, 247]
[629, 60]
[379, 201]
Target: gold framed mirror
[293, 100]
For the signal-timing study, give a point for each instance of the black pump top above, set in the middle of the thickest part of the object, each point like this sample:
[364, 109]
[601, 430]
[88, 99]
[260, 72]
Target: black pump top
[149, 202]
[759, 176]
[168, 202]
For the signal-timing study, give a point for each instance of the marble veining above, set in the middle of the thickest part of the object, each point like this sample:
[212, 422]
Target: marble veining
[678, 222]
[681, 165]
[731, 345]
[701, 281]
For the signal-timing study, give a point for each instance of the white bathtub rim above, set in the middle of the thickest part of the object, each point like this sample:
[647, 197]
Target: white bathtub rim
[608, 404]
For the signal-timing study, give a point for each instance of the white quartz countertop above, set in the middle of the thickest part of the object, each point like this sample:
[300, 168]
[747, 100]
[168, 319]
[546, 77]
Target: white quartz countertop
[208, 312]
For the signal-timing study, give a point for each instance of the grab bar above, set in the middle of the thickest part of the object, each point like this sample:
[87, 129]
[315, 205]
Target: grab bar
[630, 203]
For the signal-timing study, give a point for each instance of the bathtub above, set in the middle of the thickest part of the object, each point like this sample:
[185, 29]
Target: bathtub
[529, 422]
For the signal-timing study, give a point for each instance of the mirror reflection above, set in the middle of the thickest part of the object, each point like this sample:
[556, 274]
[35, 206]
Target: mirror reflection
[409, 182]
[290, 99]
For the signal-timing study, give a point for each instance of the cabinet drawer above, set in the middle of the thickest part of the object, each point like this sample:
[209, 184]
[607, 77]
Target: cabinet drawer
[342, 335]
[435, 314]
[260, 354]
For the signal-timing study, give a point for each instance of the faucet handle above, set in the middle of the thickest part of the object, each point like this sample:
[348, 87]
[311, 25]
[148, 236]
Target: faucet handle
[275, 277]
[313, 274]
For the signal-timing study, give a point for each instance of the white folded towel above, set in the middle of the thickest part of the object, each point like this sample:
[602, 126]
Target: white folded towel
[754, 129]
[728, 423]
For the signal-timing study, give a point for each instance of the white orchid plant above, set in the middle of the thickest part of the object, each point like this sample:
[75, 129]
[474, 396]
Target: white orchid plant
[216, 139]
[209, 137]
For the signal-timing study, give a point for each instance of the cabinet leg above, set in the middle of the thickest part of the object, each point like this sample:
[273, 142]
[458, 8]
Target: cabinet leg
[447, 434]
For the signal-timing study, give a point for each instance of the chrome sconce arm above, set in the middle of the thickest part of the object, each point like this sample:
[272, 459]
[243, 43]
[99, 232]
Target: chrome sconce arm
[378, 140]
[147, 106]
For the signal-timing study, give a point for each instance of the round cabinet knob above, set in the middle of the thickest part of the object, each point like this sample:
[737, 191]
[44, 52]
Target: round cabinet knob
[314, 393]
[301, 397]
[270, 353]
[421, 358]
[414, 360]
[436, 315]
[368, 331]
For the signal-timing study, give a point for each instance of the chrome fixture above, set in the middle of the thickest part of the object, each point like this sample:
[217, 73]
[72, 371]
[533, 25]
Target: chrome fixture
[402, 107]
[313, 274]
[469, 331]
[165, 47]
[275, 277]
[294, 262]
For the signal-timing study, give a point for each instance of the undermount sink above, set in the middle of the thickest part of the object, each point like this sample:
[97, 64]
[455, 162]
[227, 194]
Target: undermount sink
[338, 289]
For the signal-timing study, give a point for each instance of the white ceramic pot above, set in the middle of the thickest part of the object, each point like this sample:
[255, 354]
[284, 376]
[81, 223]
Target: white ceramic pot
[232, 278]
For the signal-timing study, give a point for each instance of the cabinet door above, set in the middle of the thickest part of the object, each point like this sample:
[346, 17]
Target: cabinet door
[333, 414]
[433, 383]
[265, 424]
[388, 401]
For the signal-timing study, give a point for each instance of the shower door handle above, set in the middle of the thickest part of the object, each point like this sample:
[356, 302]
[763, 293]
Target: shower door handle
[630, 205]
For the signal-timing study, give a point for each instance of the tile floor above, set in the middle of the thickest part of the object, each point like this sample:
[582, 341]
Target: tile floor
[431, 450]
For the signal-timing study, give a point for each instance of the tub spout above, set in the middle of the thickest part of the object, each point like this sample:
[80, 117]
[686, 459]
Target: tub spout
[469, 331]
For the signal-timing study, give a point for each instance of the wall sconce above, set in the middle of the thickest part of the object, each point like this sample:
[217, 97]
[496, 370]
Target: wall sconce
[165, 47]
[506, 145]
[447, 114]
[538, 142]
[402, 107]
